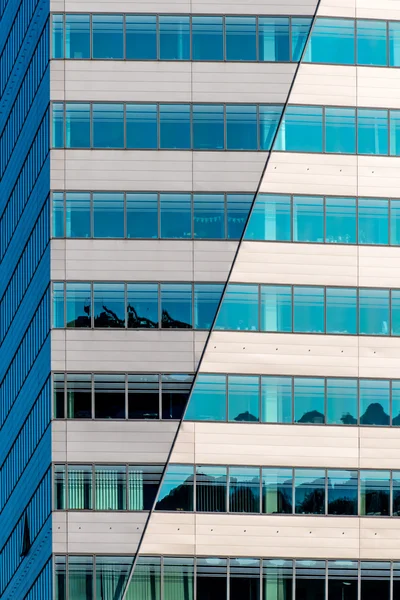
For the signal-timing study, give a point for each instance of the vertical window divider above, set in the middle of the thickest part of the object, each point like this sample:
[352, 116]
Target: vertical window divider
[159, 302]
[391, 494]
[91, 214]
[158, 216]
[260, 507]
[259, 307]
[228, 578]
[389, 115]
[325, 305]
[326, 491]
[66, 486]
[93, 488]
[64, 215]
[193, 304]
[126, 305]
[65, 302]
[225, 129]
[195, 578]
[390, 313]
[359, 492]
[162, 574]
[160, 416]
[258, 126]
[127, 487]
[92, 304]
[91, 126]
[293, 405]
[126, 398]
[65, 395]
[191, 124]
[325, 400]
[226, 399]
[124, 125]
[228, 483]
[92, 397]
[158, 127]
[324, 217]
[390, 402]
[323, 129]
[326, 580]
[292, 292]
[125, 218]
[192, 217]
[259, 401]
[194, 487]
[293, 491]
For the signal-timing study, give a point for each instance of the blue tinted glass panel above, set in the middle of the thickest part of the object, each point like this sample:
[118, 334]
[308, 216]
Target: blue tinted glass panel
[206, 300]
[300, 30]
[176, 216]
[58, 125]
[300, 130]
[308, 310]
[211, 488]
[276, 308]
[108, 215]
[109, 305]
[340, 130]
[142, 216]
[332, 41]
[341, 401]
[241, 39]
[78, 305]
[395, 222]
[141, 37]
[58, 36]
[273, 39]
[269, 117]
[209, 216]
[77, 125]
[374, 402]
[372, 131]
[238, 207]
[77, 36]
[308, 219]
[394, 132]
[142, 305]
[175, 126]
[341, 221]
[208, 127]
[276, 399]
[241, 127]
[58, 215]
[108, 125]
[176, 306]
[375, 501]
[244, 490]
[395, 312]
[77, 208]
[270, 219]
[396, 403]
[176, 491]
[108, 36]
[277, 490]
[309, 400]
[208, 399]
[310, 499]
[341, 310]
[371, 42]
[174, 38]
[374, 312]
[343, 499]
[141, 126]
[239, 309]
[373, 221]
[243, 398]
[208, 38]
[394, 44]
[58, 305]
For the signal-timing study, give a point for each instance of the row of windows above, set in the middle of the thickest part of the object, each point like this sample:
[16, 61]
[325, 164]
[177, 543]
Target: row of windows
[121, 395]
[150, 215]
[23, 102]
[167, 126]
[25, 443]
[216, 578]
[25, 184]
[24, 358]
[281, 399]
[135, 305]
[179, 37]
[310, 309]
[24, 271]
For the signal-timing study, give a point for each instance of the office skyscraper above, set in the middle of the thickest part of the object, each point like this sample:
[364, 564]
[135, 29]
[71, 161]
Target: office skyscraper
[199, 300]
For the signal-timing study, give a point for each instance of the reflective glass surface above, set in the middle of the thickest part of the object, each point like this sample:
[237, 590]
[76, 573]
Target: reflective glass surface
[108, 215]
[239, 308]
[243, 398]
[209, 216]
[372, 131]
[77, 125]
[211, 489]
[277, 491]
[375, 493]
[175, 126]
[141, 126]
[308, 219]
[340, 130]
[301, 130]
[241, 38]
[270, 219]
[142, 215]
[174, 37]
[208, 127]
[341, 310]
[143, 396]
[176, 306]
[109, 396]
[142, 305]
[77, 36]
[141, 37]
[176, 491]
[109, 305]
[207, 38]
[244, 489]
[77, 209]
[276, 308]
[206, 300]
[241, 127]
[332, 41]
[308, 310]
[341, 401]
[373, 221]
[342, 492]
[340, 221]
[273, 39]
[374, 402]
[310, 491]
[374, 312]
[78, 300]
[108, 36]
[176, 216]
[371, 42]
[208, 399]
[276, 400]
[309, 400]
[108, 125]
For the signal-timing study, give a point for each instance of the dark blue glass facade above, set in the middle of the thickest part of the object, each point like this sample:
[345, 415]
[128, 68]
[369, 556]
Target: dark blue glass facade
[25, 382]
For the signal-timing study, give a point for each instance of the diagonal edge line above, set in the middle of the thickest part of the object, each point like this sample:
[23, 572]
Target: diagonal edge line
[285, 106]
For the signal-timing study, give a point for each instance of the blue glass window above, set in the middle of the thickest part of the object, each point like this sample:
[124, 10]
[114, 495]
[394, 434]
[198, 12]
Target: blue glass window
[374, 402]
[300, 130]
[58, 305]
[373, 221]
[374, 311]
[77, 125]
[308, 310]
[273, 39]
[375, 498]
[277, 491]
[243, 398]
[341, 221]
[78, 222]
[270, 219]
[310, 495]
[174, 38]
[309, 400]
[175, 394]
[58, 36]
[176, 216]
[108, 125]
[176, 306]
[394, 132]
[241, 38]
[109, 305]
[77, 36]
[340, 130]
[108, 215]
[341, 310]
[208, 127]
[300, 31]
[394, 44]
[211, 488]
[343, 495]
[58, 125]
[141, 37]
[206, 300]
[239, 309]
[109, 398]
[209, 216]
[79, 305]
[396, 403]
[58, 215]
[341, 401]
[108, 36]
[269, 120]
[395, 305]
[372, 131]
[276, 308]
[144, 403]
[332, 41]
[208, 399]
[208, 38]
[395, 222]
[175, 126]
[276, 399]
[176, 491]
[241, 127]
[142, 305]
[238, 207]
[244, 489]
[141, 126]
[142, 216]
[79, 406]
[371, 42]
[308, 219]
